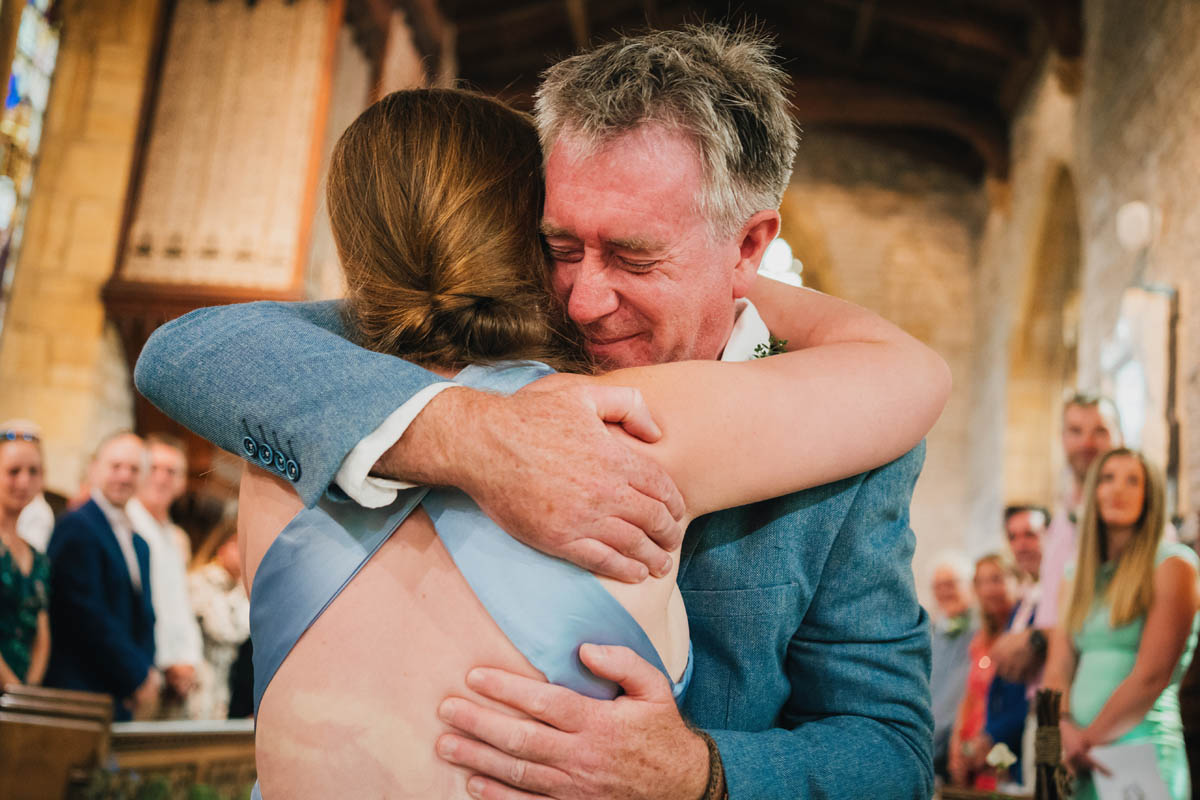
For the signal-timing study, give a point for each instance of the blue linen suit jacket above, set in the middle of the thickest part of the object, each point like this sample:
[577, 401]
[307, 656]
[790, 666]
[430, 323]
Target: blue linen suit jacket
[811, 651]
[102, 628]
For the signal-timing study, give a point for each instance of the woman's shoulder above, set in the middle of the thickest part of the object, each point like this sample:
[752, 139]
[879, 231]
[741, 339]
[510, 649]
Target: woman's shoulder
[1177, 550]
[503, 376]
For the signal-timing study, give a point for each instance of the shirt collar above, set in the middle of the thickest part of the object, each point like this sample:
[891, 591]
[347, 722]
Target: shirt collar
[749, 331]
[116, 516]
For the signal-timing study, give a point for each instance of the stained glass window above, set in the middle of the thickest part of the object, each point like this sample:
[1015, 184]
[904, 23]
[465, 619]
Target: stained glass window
[25, 100]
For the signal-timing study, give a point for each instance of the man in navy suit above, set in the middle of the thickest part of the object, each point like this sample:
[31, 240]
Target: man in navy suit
[100, 611]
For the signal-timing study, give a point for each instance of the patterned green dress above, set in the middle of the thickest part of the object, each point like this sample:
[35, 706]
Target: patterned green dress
[1106, 657]
[22, 598]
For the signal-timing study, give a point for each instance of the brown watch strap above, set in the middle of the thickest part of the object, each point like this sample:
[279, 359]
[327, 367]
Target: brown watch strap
[716, 789]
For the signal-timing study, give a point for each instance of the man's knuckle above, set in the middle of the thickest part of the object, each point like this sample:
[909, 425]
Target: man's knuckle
[518, 740]
[517, 771]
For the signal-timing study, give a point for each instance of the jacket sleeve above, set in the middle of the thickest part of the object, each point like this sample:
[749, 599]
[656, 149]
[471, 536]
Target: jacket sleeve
[858, 721]
[81, 610]
[278, 384]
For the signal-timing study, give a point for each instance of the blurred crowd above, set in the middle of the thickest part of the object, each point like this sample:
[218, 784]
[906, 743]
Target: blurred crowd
[1094, 597]
[130, 588]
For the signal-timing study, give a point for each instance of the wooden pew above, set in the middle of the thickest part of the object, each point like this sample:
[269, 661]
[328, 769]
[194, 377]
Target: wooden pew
[46, 736]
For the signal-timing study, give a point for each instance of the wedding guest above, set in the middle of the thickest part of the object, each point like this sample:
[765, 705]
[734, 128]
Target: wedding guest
[995, 586]
[1090, 426]
[100, 604]
[1020, 644]
[1129, 625]
[177, 645]
[954, 627]
[24, 571]
[221, 605]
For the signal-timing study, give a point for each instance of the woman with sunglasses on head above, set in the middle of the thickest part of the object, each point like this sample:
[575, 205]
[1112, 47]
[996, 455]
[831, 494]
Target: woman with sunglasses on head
[1130, 626]
[24, 572]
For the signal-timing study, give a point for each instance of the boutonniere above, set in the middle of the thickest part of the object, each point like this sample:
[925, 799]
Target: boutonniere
[772, 347]
[957, 625]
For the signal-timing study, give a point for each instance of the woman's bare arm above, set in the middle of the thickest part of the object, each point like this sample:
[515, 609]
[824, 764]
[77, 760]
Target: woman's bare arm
[858, 394]
[41, 651]
[1168, 624]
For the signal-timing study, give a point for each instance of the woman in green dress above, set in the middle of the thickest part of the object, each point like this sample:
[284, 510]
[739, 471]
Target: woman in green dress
[24, 572]
[1130, 625]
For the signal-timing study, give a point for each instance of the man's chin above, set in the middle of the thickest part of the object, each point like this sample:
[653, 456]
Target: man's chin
[627, 352]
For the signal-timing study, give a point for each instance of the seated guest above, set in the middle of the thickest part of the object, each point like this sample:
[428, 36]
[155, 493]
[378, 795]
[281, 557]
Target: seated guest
[220, 603]
[953, 629]
[100, 604]
[1128, 628]
[995, 589]
[24, 571]
[177, 645]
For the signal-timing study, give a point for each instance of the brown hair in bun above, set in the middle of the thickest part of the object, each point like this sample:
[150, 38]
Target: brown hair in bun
[434, 198]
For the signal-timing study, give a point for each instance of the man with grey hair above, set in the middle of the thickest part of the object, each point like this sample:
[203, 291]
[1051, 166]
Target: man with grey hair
[667, 157]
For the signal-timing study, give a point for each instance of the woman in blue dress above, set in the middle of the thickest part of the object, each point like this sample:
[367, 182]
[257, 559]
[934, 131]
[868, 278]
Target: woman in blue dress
[1130, 625]
[435, 198]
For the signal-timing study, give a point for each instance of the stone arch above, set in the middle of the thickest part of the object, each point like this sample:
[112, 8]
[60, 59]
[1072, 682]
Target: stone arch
[803, 233]
[1043, 345]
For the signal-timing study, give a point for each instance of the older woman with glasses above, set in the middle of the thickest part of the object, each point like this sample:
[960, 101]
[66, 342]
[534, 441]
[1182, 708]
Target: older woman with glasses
[24, 572]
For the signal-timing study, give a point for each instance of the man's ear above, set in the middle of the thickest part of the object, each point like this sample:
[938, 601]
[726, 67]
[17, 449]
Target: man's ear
[758, 232]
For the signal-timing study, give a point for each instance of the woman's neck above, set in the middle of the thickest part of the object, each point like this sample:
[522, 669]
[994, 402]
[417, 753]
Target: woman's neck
[998, 621]
[1117, 540]
[8, 526]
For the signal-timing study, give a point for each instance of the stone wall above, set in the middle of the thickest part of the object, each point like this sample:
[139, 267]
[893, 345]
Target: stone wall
[1128, 136]
[893, 232]
[1138, 117]
[58, 363]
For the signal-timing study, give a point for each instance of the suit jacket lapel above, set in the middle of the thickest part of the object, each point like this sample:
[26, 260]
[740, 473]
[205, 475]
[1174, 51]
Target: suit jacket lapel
[108, 536]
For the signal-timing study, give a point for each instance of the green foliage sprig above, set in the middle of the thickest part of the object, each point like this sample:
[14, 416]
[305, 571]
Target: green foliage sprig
[773, 347]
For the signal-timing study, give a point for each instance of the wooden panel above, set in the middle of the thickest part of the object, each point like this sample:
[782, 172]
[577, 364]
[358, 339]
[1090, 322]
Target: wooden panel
[224, 186]
[45, 736]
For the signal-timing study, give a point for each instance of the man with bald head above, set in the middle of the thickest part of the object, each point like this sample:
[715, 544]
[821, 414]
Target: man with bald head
[100, 610]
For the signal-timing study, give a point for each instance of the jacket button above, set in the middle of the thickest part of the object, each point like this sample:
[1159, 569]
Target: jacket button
[265, 454]
[280, 462]
[249, 447]
[293, 471]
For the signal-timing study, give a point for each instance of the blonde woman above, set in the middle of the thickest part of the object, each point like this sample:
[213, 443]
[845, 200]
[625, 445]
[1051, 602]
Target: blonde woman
[1130, 625]
[24, 572]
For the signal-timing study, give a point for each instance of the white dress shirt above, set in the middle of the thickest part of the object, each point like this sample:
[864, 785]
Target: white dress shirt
[176, 632]
[369, 491]
[36, 523]
[118, 520]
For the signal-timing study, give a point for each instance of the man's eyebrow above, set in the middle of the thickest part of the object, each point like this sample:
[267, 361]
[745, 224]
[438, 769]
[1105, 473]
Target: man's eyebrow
[637, 245]
[548, 230]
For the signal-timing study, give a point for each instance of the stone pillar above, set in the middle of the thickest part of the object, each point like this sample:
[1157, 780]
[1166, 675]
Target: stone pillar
[58, 363]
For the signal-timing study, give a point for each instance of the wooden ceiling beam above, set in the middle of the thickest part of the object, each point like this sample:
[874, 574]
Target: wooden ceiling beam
[871, 105]
[577, 14]
[969, 31]
[1064, 24]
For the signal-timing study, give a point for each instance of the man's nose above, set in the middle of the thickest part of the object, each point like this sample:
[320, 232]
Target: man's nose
[591, 296]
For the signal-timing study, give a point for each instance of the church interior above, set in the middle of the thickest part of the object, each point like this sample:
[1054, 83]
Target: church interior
[1011, 182]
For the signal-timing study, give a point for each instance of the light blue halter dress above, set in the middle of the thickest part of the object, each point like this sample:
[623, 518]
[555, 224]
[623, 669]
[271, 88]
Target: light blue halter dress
[546, 606]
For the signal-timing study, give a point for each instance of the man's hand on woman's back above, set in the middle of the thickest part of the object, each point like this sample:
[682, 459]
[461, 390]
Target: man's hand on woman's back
[544, 466]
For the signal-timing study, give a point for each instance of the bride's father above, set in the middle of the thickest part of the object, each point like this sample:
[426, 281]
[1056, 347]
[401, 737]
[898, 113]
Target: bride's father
[668, 155]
